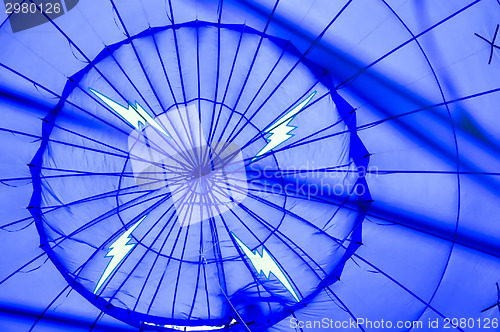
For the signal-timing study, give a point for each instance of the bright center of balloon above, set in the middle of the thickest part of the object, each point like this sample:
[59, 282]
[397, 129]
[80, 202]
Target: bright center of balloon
[204, 179]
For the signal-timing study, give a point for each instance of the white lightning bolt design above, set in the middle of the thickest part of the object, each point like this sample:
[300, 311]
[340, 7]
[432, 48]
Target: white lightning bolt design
[118, 251]
[134, 115]
[280, 129]
[266, 265]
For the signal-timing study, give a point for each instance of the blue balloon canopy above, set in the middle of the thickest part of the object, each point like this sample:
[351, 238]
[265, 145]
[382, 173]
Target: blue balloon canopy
[249, 166]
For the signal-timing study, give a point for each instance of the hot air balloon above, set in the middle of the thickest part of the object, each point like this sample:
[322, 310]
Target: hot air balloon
[249, 166]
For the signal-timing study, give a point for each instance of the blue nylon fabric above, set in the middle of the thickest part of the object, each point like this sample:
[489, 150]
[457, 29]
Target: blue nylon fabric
[52, 230]
[411, 87]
